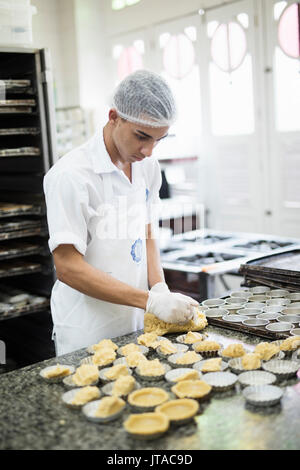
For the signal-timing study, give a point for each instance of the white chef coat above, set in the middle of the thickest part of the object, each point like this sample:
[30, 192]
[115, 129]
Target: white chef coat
[76, 189]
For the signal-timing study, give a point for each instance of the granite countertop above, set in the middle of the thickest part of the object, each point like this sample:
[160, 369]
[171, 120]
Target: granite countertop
[33, 415]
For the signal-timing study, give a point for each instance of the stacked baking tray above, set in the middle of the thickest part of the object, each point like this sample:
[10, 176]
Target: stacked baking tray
[279, 270]
[26, 153]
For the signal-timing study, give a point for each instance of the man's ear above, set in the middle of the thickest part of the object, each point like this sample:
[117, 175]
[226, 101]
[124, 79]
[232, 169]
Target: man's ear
[113, 116]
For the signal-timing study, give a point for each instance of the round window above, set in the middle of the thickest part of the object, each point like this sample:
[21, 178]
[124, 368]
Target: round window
[229, 46]
[179, 56]
[130, 60]
[289, 31]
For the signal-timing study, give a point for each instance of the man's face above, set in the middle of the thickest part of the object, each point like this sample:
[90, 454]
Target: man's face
[135, 142]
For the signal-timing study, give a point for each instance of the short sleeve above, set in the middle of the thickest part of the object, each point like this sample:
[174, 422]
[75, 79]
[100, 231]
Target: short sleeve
[67, 211]
[153, 185]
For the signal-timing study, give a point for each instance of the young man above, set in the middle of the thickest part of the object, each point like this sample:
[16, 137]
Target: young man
[105, 256]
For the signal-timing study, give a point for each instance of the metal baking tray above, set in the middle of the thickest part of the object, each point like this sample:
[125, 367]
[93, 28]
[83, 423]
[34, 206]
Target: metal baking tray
[20, 131]
[20, 152]
[14, 250]
[14, 110]
[19, 224]
[10, 210]
[18, 268]
[9, 103]
[32, 232]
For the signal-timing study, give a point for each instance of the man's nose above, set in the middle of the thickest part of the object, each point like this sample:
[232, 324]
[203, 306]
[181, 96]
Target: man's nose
[148, 148]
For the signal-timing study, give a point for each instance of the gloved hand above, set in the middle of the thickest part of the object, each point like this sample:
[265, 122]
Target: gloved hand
[160, 287]
[171, 307]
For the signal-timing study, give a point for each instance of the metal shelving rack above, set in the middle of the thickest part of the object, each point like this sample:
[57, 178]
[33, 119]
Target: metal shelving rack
[22, 207]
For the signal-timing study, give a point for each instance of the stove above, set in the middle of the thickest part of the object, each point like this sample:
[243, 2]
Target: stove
[205, 239]
[263, 246]
[204, 259]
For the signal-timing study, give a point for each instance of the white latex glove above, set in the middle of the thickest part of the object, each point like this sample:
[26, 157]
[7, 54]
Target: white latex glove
[171, 307]
[160, 287]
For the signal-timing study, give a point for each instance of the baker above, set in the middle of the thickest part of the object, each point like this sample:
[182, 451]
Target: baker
[100, 199]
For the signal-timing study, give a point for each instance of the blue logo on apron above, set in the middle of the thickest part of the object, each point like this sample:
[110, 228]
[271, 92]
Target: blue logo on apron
[137, 251]
[147, 194]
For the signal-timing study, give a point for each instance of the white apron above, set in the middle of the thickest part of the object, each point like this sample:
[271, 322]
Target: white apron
[80, 320]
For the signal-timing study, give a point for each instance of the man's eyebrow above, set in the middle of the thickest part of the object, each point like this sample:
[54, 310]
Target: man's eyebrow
[150, 136]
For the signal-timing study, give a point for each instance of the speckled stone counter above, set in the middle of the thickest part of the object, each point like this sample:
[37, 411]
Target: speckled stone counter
[33, 416]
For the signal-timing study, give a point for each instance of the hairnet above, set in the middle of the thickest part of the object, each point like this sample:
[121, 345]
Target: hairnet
[145, 98]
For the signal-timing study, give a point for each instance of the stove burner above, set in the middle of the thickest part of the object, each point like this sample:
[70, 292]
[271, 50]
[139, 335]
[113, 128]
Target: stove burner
[207, 239]
[206, 258]
[263, 245]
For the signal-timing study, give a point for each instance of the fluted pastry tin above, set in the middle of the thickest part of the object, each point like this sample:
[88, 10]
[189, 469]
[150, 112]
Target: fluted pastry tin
[234, 318]
[216, 312]
[103, 377]
[68, 382]
[174, 374]
[69, 396]
[236, 365]
[142, 349]
[210, 353]
[256, 377]
[89, 411]
[198, 366]
[153, 378]
[108, 389]
[282, 369]
[255, 322]
[263, 395]
[279, 326]
[212, 303]
[55, 379]
[220, 381]
[181, 348]
[89, 361]
[173, 358]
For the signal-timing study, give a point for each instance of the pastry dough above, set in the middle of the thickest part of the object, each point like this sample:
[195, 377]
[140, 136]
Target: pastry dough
[180, 409]
[192, 337]
[129, 348]
[147, 424]
[207, 346]
[234, 350]
[123, 386]
[148, 339]
[152, 324]
[85, 395]
[290, 344]
[149, 396]
[105, 344]
[116, 371]
[266, 350]
[151, 368]
[191, 375]
[212, 365]
[109, 406]
[189, 357]
[85, 375]
[167, 347]
[104, 357]
[135, 358]
[58, 371]
[191, 389]
[251, 361]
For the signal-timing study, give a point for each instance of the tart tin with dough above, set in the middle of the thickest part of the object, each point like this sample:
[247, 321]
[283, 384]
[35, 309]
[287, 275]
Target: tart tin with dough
[108, 388]
[282, 369]
[236, 366]
[180, 348]
[198, 366]
[263, 395]
[173, 358]
[142, 349]
[68, 382]
[70, 395]
[56, 379]
[256, 377]
[180, 411]
[153, 378]
[147, 426]
[105, 379]
[181, 338]
[228, 358]
[90, 409]
[196, 389]
[173, 374]
[220, 381]
[137, 398]
[89, 361]
[209, 353]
